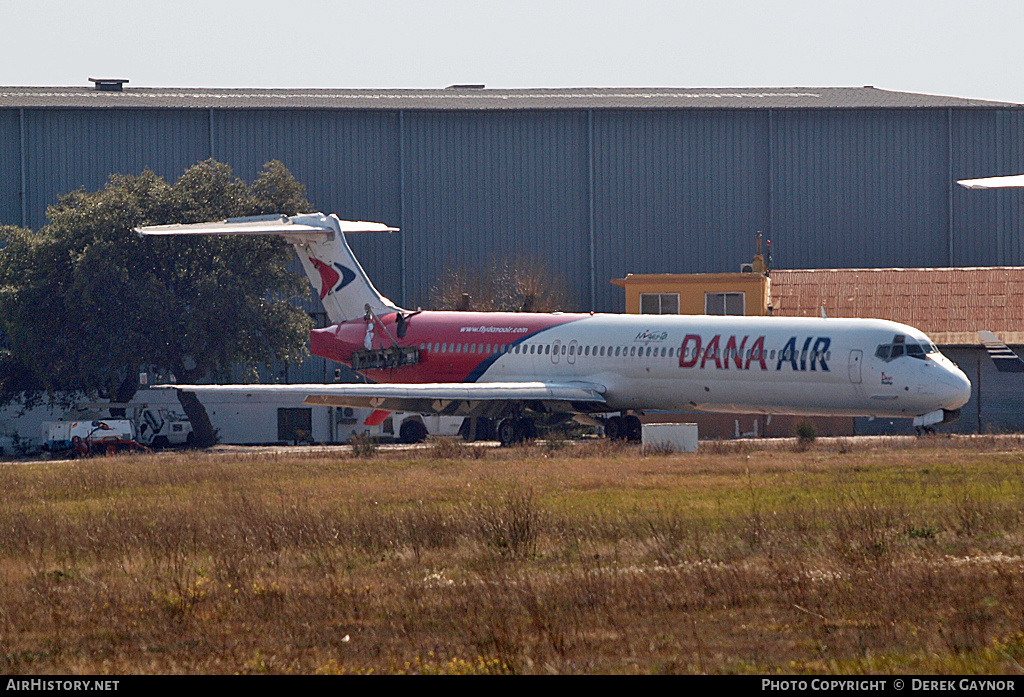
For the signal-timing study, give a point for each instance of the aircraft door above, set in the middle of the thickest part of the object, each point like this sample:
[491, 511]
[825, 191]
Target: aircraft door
[856, 357]
[573, 348]
[556, 349]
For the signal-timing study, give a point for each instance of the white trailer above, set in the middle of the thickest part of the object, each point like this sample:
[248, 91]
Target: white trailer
[241, 418]
[237, 419]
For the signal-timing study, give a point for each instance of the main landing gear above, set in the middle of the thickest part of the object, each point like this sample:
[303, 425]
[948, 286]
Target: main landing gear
[412, 431]
[515, 430]
[626, 427]
[519, 429]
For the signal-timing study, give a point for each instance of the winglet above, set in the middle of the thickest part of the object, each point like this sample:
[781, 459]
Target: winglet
[1006, 360]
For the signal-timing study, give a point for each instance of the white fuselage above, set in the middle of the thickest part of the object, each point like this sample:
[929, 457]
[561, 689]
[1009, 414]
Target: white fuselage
[739, 364]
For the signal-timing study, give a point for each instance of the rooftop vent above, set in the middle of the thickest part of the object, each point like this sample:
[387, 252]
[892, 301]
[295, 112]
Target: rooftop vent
[464, 87]
[108, 84]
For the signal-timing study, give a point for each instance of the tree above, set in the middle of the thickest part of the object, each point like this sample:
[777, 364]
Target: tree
[85, 302]
[511, 285]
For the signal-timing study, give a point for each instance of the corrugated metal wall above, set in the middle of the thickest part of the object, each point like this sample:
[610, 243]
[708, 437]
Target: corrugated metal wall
[651, 190]
[71, 148]
[676, 192]
[856, 189]
[987, 224]
[490, 186]
[594, 195]
[10, 167]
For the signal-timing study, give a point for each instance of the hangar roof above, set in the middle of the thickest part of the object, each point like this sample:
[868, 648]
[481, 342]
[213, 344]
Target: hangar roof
[474, 98]
[949, 305]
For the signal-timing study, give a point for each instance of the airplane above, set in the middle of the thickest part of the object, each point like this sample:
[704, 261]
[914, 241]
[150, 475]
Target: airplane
[1005, 359]
[1013, 181]
[601, 369]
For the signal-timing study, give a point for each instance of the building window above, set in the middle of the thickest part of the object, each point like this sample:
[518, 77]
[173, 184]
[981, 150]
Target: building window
[659, 303]
[725, 303]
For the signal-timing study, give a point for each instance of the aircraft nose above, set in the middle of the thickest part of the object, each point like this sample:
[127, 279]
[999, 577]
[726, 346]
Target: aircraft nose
[956, 389]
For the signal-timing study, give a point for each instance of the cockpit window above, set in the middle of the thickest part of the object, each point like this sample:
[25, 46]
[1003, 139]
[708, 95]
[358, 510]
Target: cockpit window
[903, 345]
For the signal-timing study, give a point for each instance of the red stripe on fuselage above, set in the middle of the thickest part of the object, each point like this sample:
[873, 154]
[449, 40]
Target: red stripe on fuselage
[484, 331]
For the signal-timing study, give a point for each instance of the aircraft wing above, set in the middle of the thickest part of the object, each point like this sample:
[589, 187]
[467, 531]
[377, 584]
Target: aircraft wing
[1005, 359]
[446, 398]
[1015, 181]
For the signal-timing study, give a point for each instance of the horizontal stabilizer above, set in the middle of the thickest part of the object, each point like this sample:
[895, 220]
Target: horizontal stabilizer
[319, 242]
[1005, 359]
[264, 225]
[1015, 181]
[452, 399]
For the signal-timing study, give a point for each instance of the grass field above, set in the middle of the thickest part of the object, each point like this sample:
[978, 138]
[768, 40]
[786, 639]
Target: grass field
[848, 556]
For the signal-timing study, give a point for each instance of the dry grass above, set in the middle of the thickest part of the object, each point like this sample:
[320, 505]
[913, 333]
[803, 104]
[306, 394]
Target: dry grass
[853, 556]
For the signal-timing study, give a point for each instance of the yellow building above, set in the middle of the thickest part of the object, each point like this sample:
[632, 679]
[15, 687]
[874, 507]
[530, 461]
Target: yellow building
[747, 293]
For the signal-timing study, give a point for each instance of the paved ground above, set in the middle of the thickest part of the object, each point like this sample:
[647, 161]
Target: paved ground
[1001, 441]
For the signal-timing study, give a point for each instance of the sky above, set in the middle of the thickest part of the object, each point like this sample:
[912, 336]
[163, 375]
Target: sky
[962, 49]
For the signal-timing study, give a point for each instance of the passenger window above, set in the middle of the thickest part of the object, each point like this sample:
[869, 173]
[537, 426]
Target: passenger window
[602, 350]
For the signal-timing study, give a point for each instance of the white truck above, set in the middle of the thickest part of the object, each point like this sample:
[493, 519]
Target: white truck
[89, 437]
[159, 427]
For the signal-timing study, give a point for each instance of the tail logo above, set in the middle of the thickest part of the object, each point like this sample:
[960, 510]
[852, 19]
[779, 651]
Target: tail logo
[329, 277]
